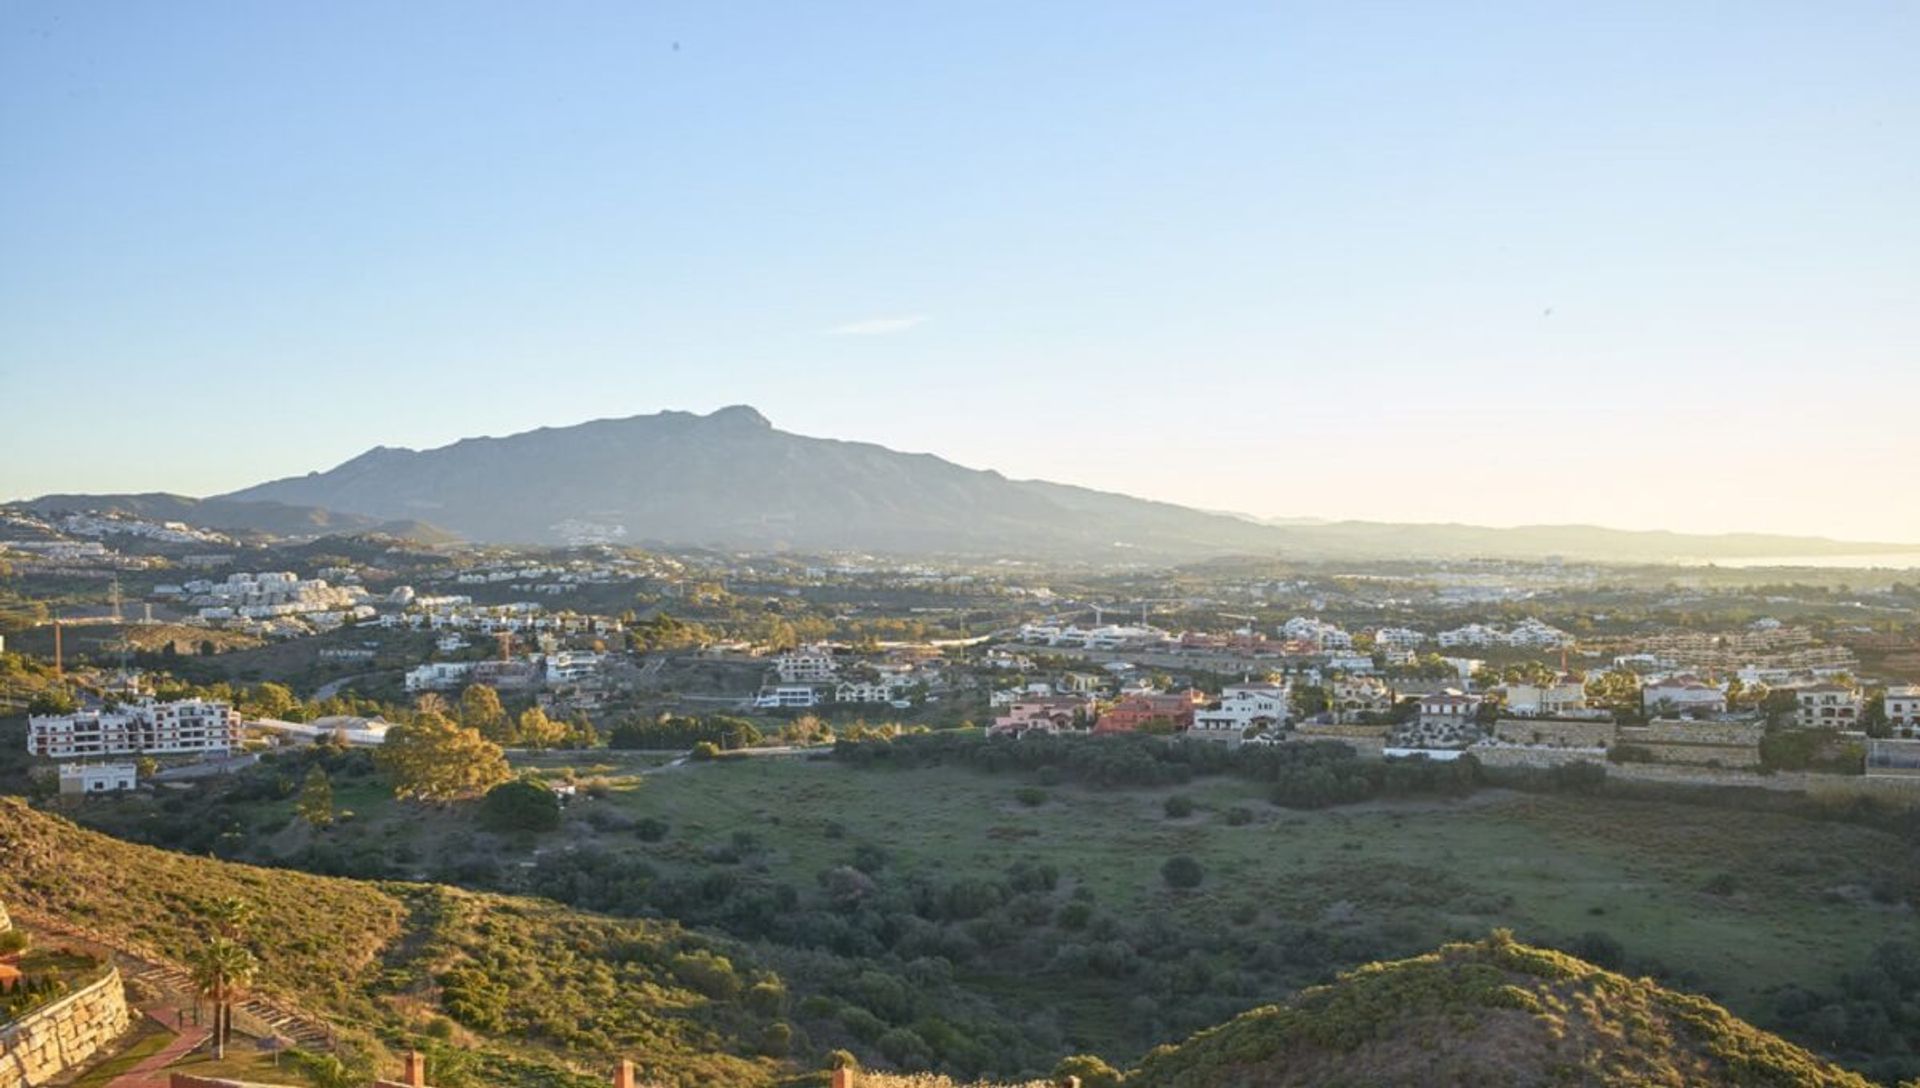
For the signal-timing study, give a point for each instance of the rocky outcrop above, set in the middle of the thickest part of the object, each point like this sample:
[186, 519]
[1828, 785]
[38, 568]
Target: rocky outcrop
[63, 1036]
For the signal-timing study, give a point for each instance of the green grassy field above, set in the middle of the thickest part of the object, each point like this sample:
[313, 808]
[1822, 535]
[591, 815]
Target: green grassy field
[1793, 907]
[1731, 903]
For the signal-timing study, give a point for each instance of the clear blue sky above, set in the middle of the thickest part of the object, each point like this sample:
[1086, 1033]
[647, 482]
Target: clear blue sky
[1651, 265]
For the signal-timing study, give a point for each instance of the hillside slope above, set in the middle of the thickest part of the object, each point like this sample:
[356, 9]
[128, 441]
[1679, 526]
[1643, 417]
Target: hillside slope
[1494, 1012]
[538, 994]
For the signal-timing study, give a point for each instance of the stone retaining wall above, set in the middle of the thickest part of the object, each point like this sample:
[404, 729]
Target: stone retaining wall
[62, 1036]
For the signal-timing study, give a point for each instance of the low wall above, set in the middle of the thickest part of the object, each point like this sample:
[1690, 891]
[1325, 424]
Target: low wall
[1494, 755]
[50, 1041]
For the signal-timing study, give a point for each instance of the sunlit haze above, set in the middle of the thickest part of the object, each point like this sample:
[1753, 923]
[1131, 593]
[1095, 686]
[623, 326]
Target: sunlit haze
[1648, 266]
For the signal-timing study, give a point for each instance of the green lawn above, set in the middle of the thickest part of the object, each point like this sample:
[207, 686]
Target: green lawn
[146, 1040]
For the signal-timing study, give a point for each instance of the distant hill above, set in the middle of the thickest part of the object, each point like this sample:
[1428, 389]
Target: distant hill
[1494, 1012]
[269, 518]
[731, 480]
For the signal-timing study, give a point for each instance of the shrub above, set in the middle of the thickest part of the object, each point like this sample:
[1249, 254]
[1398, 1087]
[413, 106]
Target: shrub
[1239, 816]
[520, 805]
[1031, 796]
[1092, 1070]
[650, 829]
[1182, 871]
[1178, 807]
[1599, 949]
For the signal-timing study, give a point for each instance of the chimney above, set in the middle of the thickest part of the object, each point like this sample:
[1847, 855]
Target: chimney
[416, 1075]
[843, 1077]
[623, 1074]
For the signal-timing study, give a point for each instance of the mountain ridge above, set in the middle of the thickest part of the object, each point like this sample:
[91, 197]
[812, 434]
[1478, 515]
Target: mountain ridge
[730, 479]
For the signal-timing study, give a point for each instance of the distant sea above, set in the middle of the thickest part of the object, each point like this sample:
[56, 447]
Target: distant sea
[1885, 560]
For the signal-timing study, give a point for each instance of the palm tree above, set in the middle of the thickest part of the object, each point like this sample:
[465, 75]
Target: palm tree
[233, 916]
[431, 703]
[220, 970]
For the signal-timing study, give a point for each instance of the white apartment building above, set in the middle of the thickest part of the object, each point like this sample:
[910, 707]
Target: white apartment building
[1398, 638]
[1828, 706]
[438, 675]
[1529, 634]
[184, 727]
[806, 665]
[572, 666]
[1322, 634]
[1533, 633]
[1473, 634]
[787, 697]
[861, 691]
[1903, 711]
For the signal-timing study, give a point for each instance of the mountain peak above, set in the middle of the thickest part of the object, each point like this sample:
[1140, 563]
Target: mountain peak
[740, 415]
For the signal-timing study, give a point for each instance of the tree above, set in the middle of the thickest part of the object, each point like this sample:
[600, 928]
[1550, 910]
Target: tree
[315, 804]
[221, 970]
[146, 766]
[1873, 715]
[53, 701]
[270, 700]
[434, 760]
[480, 709]
[232, 916]
[520, 805]
[536, 730]
[581, 733]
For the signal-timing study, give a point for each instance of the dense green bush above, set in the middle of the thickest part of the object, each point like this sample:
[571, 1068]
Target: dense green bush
[1182, 872]
[520, 805]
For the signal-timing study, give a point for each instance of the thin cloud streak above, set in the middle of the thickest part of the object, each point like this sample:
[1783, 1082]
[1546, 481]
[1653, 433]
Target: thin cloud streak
[877, 326]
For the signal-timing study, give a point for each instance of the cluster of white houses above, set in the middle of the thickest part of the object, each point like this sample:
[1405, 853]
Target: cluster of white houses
[554, 669]
[810, 676]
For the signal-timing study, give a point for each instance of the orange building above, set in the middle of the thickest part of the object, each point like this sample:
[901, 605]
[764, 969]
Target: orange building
[1131, 712]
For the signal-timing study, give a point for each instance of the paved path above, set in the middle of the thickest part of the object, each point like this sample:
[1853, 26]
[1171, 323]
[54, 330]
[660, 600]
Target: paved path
[332, 687]
[151, 1072]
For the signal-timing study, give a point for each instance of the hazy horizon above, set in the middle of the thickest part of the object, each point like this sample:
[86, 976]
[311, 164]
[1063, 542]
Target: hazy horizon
[1646, 267]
